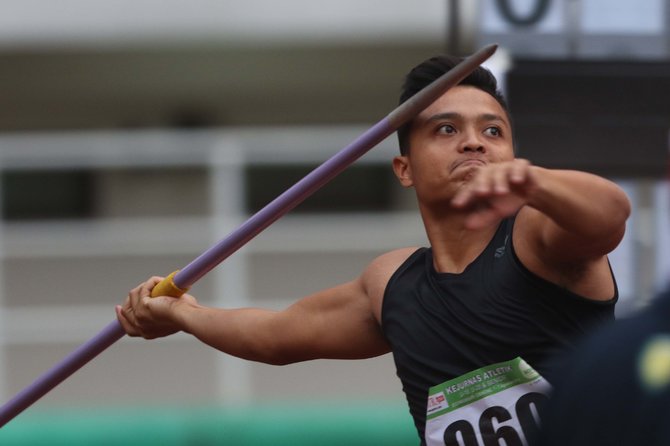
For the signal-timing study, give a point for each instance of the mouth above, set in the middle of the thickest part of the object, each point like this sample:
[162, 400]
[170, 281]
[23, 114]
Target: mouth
[469, 162]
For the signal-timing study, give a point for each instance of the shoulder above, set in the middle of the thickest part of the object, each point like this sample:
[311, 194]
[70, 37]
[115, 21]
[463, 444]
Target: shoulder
[377, 274]
[386, 264]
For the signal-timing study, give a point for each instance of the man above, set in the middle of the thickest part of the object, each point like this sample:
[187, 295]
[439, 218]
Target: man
[615, 389]
[517, 265]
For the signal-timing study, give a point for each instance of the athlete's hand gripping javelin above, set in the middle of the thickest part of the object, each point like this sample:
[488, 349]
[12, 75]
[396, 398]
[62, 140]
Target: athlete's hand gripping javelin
[151, 317]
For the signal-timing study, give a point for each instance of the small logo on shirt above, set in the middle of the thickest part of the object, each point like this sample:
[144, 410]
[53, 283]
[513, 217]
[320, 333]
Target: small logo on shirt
[501, 251]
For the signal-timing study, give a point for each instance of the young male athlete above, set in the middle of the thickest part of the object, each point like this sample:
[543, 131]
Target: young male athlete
[516, 268]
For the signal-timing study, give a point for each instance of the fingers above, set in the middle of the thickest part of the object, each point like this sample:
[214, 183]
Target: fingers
[494, 180]
[519, 171]
[135, 304]
[496, 191]
[128, 326]
[144, 290]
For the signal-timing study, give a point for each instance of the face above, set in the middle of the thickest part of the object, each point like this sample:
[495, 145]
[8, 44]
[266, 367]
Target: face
[463, 130]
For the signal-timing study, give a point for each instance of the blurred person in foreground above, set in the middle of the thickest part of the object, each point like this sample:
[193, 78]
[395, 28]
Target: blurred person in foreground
[516, 271]
[615, 389]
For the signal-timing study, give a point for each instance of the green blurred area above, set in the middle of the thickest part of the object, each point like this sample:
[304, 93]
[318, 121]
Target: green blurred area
[323, 424]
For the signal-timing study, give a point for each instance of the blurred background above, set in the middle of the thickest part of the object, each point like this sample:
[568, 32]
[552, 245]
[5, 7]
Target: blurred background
[136, 134]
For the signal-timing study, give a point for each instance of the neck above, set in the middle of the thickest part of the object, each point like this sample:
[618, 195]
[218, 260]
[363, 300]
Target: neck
[454, 246]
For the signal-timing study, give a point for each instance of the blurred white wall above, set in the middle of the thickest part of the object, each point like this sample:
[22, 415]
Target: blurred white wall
[80, 22]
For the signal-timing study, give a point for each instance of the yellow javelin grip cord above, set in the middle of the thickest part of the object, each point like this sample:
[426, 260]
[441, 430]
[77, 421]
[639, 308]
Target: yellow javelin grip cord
[167, 287]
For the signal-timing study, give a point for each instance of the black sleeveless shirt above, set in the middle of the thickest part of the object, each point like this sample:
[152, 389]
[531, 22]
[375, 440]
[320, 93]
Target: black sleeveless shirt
[442, 325]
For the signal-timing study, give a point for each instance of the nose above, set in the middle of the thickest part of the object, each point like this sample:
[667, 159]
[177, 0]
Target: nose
[471, 142]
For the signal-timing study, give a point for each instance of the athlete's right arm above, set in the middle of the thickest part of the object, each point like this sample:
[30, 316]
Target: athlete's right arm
[337, 323]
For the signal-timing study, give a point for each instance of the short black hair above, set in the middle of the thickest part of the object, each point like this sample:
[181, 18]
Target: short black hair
[429, 70]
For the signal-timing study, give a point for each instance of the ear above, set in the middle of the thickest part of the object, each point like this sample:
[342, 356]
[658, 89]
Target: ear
[403, 171]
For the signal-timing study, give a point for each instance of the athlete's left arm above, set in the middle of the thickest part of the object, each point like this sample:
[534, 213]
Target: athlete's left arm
[564, 216]
[579, 218]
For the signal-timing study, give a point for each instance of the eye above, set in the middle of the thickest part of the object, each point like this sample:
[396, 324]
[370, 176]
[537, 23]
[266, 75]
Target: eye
[446, 129]
[493, 131]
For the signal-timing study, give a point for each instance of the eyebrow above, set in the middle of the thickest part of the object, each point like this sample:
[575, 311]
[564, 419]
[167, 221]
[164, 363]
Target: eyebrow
[454, 115]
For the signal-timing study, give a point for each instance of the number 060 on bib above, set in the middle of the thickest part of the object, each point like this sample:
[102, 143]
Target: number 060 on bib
[487, 405]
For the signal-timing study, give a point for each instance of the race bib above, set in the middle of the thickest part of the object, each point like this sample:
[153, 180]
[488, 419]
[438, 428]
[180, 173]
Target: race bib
[491, 406]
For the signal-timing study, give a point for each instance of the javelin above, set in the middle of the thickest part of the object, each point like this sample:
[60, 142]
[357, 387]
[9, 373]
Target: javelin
[178, 282]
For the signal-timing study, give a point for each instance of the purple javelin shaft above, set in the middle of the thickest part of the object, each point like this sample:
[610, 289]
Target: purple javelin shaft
[283, 204]
[326, 171]
[57, 374]
[259, 221]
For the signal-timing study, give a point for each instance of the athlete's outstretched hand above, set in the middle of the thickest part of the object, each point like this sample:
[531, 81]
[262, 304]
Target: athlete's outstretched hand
[497, 190]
